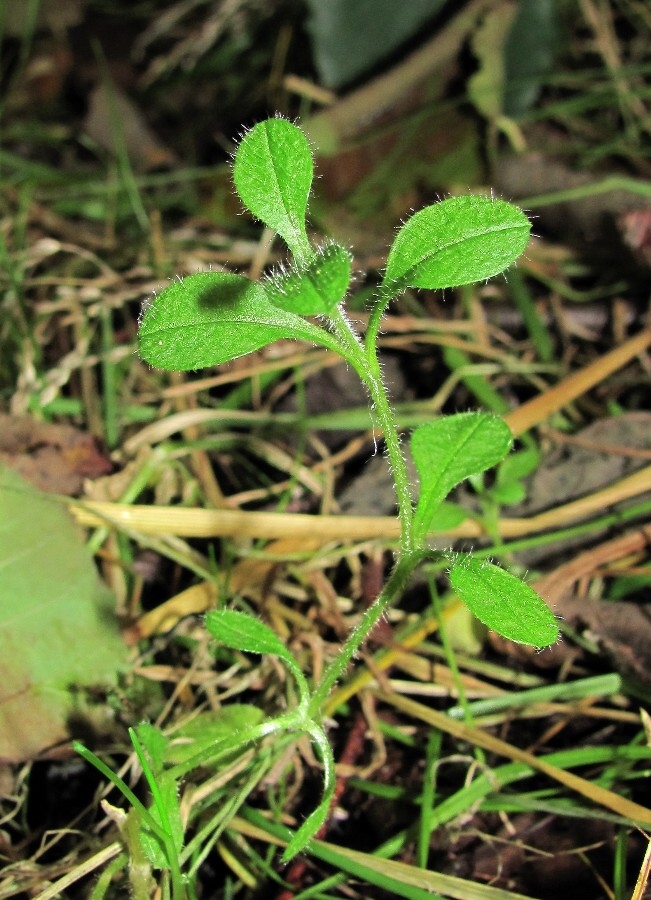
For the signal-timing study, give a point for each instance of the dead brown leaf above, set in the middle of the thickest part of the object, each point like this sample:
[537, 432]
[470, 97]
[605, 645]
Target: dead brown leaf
[54, 458]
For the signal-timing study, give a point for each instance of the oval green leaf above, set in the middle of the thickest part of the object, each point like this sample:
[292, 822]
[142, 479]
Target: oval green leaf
[273, 173]
[458, 241]
[450, 449]
[210, 728]
[503, 602]
[240, 631]
[213, 317]
[315, 289]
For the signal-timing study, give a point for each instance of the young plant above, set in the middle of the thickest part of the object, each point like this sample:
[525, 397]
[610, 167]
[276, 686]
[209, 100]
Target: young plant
[213, 317]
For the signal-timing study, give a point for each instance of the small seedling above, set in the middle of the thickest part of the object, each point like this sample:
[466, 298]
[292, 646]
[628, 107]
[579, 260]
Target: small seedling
[213, 317]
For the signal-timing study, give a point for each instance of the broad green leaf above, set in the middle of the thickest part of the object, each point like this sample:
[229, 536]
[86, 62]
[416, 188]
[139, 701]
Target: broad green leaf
[455, 242]
[508, 488]
[209, 728]
[213, 317]
[315, 289]
[518, 465]
[58, 632]
[449, 516]
[449, 450]
[508, 494]
[241, 631]
[273, 173]
[503, 602]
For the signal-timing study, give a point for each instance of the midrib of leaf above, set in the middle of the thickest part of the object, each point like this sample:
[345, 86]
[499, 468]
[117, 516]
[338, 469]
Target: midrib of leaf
[297, 230]
[298, 329]
[467, 238]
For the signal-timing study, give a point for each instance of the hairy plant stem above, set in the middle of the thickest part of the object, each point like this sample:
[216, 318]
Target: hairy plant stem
[402, 570]
[365, 360]
[385, 296]
[367, 365]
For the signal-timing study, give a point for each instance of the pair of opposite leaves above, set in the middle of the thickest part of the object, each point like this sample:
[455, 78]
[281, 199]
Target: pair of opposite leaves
[213, 317]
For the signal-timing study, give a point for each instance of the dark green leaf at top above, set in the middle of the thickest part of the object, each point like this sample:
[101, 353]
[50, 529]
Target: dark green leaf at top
[316, 288]
[213, 317]
[273, 173]
[455, 242]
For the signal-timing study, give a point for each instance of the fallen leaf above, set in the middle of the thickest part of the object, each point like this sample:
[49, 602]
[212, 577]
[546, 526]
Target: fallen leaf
[51, 457]
[58, 635]
[113, 122]
[194, 600]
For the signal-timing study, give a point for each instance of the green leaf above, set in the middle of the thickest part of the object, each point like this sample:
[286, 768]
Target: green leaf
[508, 494]
[154, 743]
[240, 631]
[455, 242]
[317, 817]
[307, 831]
[166, 813]
[518, 465]
[486, 85]
[508, 488]
[209, 728]
[213, 317]
[243, 632]
[530, 53]
[450, 515]
[315, 289]
[350, 38]
[164, 810]
[503, 602]
[273, 173]
[58, 631]
[450, 449]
